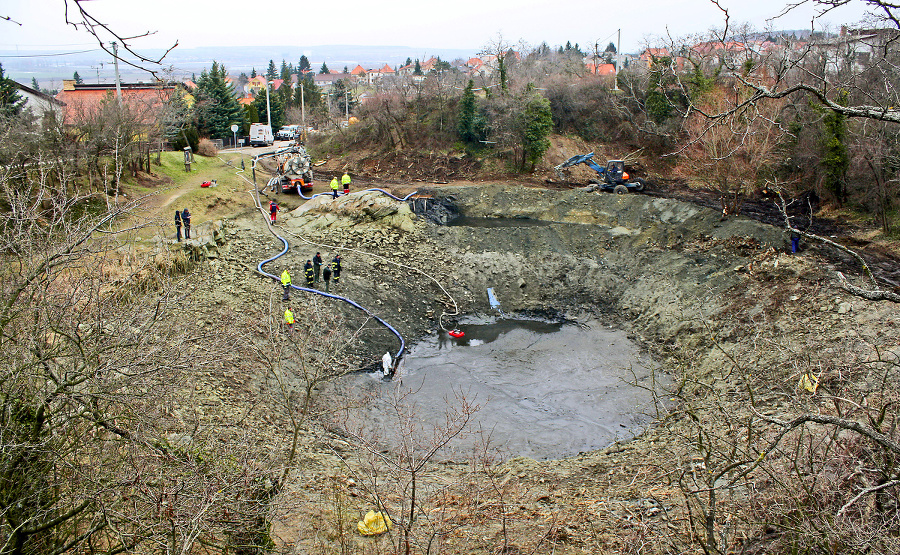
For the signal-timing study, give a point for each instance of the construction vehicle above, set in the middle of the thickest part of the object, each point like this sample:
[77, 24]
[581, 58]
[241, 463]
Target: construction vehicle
[613, 177]
[293, 171]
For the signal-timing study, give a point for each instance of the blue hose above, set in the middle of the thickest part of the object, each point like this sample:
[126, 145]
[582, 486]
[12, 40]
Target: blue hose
[259, 268]
[404, 199]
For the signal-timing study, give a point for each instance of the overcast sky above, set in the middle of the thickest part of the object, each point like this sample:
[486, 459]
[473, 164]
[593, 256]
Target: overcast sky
[466, 24]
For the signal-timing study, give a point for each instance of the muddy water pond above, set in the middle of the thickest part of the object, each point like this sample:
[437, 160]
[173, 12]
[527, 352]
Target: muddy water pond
[545, 390]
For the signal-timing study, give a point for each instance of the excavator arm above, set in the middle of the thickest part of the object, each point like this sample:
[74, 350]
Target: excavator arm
[586, 159]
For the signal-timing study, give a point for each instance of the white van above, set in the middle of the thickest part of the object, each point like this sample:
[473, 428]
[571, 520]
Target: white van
[261, 134]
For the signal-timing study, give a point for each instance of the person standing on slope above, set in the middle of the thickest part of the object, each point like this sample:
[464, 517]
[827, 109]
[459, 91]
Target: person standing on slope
[308, 272]
[186, 220]
[286, 284]
[336, 268]
[317, 265]
[334, 187]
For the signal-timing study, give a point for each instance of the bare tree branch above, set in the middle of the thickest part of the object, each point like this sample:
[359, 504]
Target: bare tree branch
[78, 17]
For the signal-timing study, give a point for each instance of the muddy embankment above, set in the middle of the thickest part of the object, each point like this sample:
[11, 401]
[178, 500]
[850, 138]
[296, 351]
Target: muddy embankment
[656, 264]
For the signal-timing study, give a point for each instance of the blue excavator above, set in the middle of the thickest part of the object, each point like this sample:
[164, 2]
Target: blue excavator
[613, 177]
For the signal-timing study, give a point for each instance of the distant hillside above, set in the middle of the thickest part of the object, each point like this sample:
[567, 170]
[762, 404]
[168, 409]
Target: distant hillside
[97, 65]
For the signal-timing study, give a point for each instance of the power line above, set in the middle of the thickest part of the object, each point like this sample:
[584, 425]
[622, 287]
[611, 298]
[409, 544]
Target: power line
[48, 55]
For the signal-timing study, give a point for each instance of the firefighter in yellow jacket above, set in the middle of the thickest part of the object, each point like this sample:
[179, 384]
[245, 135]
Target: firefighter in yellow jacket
[334, 187]
[286, 284]
[289, 320]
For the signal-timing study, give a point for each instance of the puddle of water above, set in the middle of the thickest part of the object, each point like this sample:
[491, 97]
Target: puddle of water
[498, 222]
[546, 390]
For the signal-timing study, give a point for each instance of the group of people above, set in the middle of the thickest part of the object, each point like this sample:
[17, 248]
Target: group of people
[312, 270]
[345, 181]
[182, 218]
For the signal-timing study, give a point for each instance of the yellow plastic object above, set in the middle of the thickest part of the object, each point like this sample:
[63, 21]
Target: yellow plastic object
[353, 120]
[809, 382]
[374, 523]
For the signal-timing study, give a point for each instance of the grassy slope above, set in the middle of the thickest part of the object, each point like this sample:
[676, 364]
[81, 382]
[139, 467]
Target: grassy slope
[170, 188]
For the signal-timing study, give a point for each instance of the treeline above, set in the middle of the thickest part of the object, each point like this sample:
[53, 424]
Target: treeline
[706, 112]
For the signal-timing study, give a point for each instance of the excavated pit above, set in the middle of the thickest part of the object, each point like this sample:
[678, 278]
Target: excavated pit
[649, 271]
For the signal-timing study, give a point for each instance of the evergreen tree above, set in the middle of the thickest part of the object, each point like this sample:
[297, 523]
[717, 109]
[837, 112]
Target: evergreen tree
[285, 72]
[77, 78]
[303, 65]
[311, 95]
[346, 70]
[250, 116]
[11, 103]
[324, 69]
[835, 157]
[34, 84]
[418, 68]
[275, 105]
[470, 126]
[408, 62]
[610, 48]
[271, 72]
[253, 75]
[216, 108]
[536, 122]
[342, 96]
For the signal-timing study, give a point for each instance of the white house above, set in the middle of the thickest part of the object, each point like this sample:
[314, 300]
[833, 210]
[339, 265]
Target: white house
[38, 102]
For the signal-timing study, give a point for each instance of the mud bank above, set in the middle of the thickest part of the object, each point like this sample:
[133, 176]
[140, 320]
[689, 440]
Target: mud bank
[653, 263]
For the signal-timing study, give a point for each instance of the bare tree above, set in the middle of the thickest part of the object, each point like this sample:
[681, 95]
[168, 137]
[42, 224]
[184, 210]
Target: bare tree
[733, 154]
[394, 467]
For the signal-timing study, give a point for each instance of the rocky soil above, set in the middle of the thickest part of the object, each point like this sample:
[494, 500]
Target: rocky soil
[706, 296]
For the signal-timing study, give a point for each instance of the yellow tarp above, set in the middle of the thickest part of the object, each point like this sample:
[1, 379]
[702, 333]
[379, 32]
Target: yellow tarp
[374, 523]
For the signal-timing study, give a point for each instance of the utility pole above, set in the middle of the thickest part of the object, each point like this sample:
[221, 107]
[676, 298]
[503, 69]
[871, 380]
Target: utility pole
[302, 111]
[618, 61]
[347, 105]
[268, 107]
[116, 61]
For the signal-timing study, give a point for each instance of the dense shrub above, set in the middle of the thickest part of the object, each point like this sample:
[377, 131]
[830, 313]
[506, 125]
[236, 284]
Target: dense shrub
[188, 137]
[207, 148]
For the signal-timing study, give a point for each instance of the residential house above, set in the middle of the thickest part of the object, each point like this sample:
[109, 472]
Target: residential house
[256, 84]
[475, 67]
[374, 75]
[86, 99]
[855, 49]
[38, 102]
[358, 73]
[326, 81]
[649, 55]
[600, 69]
